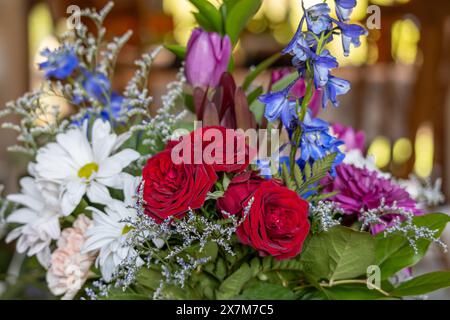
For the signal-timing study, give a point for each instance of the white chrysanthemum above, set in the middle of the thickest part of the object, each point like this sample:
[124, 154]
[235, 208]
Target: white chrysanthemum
[357, 159]
[39, 219]
[109, 233]
[84, 167]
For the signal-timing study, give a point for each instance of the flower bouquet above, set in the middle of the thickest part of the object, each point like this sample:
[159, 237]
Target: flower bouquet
[259, 199]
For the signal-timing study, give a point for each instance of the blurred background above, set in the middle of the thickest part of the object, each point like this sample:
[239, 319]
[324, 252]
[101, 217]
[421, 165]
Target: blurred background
[400, 75]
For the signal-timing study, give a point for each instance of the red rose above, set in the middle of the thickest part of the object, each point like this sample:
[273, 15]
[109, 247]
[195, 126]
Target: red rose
[225, 149]
[277, 223]
[171, 189]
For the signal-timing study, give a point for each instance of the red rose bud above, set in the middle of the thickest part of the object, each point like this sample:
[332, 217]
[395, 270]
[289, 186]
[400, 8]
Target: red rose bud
[207, 58]
[170, 190]
[277, 223]
[226, 150]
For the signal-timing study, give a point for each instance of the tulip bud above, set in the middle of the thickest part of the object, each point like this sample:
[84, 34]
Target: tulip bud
[207, 58]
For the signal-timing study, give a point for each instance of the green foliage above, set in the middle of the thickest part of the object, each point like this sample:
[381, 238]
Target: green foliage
[208, 17]
[340, 253]
[232, 286]
[267, 291]
[238, 14]
[394, 253]
[303, 182]
[352, 292]
[178, 50]
[423, 284]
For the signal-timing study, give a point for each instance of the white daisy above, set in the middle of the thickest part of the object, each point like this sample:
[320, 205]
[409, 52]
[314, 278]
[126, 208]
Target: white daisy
[39, 219]
[108, 235]
[84, 167]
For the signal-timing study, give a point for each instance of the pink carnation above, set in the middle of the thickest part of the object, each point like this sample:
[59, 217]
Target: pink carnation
[69, 268]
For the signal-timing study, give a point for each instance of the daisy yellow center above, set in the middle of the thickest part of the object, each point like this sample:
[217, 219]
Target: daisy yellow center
[126, 229]
[87, 171]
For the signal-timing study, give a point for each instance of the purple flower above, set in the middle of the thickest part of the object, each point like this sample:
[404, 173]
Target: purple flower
[350, 35]
[60, 63]
[318, 18]
[344, 9]
[97, 86]
[278, 105]
[316, 141]
[352, 140]
[362, 190]
[322, 64]
[334, 87]
[278, 74]
[207, 58]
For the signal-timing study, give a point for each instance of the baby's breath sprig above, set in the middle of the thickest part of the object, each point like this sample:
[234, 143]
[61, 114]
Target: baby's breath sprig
[402, 224]
[325, 216]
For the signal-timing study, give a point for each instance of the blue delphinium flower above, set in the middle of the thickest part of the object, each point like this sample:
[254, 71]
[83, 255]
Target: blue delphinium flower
[350, 35]
[316, 141]
[318, 18]
[97, 86]
[111, 113]
[60, 63]
[115, 109]
[344, 9]
[280, 105]
[334, 87]
[322, 64]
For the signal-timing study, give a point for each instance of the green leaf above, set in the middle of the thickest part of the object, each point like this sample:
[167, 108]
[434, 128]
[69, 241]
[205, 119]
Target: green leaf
[259, 69]
[340, 253]
[257, 108]
[317, 172]
[284, 82]
[287, 177]
[149, 278]
[177, 50]
[118, 294]
[233, 285]
[394, 253]
[229, 4]
[352, 292]
[267, 291]
[252, 96]
[215, 195]
[208, 16]
[298, 176]
[239, 15]
[423, 284]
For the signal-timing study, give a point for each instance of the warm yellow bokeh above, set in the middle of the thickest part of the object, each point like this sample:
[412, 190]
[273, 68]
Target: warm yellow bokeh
[380, 149]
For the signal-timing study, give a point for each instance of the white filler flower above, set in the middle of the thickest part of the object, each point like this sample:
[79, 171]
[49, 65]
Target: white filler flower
[39, 219]
[84, 167]
[109, 233]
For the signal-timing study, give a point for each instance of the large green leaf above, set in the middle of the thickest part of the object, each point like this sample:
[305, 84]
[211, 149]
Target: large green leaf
[267, 291]
[232, 286]
[423, 284]
[340, 253]
[208, 16]
[394, 253]
[239, 15]
[352, 292]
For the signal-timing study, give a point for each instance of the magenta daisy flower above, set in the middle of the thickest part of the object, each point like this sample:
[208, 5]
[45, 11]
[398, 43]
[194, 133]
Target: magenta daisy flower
[360, 190]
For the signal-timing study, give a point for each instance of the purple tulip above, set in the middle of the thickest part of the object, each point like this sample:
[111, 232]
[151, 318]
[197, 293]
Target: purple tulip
[207, 58]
